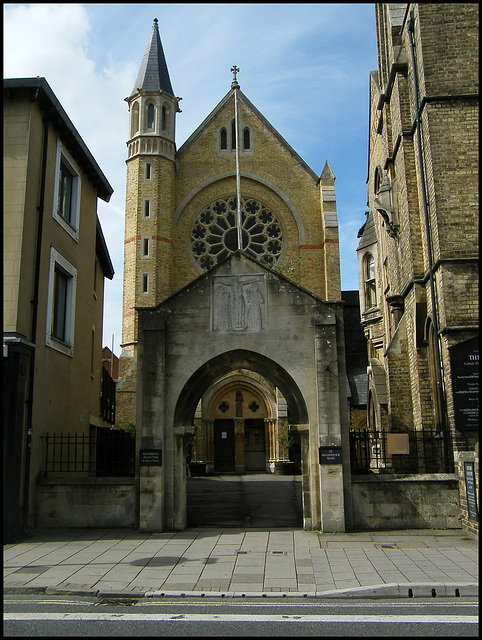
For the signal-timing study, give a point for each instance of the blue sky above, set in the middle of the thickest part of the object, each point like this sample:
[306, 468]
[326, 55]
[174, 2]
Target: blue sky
[304, 66]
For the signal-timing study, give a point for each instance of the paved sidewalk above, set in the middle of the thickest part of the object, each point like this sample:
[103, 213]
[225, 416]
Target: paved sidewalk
[244, 562]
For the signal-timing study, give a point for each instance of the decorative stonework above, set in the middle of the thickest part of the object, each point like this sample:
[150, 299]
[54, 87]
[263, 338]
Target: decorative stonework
[214, 235]
[239, 303]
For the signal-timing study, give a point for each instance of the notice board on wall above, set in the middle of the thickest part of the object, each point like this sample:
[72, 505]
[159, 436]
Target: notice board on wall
[464, 364]
[470, 491]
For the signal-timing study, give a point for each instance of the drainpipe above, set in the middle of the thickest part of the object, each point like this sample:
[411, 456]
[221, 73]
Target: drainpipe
[34, 301]
[410, 30]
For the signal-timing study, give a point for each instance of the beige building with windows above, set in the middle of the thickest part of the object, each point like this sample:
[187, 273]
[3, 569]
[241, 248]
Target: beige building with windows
[418, 249]
[55, 263]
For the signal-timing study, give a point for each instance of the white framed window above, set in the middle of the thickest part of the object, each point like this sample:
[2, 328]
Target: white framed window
[62, 286]
[369, 279]
[66, 206]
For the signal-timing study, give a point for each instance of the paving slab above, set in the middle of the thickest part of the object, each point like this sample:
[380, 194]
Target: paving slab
[228, 562]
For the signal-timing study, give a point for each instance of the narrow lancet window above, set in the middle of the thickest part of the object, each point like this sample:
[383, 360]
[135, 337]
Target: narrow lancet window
[224, 139]
[150, 116]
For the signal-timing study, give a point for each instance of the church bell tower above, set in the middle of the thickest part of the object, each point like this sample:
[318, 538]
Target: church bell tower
[148, 247]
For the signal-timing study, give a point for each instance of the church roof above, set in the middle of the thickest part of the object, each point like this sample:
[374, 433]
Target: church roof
[229, 96]
[153, 74]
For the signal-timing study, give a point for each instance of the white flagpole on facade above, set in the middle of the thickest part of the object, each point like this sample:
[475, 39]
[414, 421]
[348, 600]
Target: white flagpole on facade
[235, 86]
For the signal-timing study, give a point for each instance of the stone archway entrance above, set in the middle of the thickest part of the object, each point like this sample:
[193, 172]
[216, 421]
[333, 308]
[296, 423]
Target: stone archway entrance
[185, 354]
[234, 473]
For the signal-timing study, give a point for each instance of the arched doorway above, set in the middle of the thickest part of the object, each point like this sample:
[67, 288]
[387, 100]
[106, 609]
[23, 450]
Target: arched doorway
[235, 477]
[237, 426]
[237, 422]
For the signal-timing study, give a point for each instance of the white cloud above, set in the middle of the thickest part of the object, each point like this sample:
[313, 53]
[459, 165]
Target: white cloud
[304, 66]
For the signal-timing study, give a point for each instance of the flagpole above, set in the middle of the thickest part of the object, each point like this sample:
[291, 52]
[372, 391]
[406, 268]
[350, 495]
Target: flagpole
[235, 86]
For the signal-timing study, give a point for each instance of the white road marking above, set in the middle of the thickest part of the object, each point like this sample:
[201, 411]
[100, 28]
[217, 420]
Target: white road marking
[234, 617]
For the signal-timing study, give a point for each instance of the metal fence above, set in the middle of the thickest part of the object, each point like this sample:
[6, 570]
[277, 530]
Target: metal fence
[108, 453]
[414, 452]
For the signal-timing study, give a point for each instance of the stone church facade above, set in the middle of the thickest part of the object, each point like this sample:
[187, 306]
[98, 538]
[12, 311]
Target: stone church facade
[218, 338]
[234, 340]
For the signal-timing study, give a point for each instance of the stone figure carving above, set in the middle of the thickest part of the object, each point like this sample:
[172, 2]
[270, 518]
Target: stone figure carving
[239, 303]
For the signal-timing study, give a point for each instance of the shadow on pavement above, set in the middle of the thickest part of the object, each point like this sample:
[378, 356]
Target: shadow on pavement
[250, 500]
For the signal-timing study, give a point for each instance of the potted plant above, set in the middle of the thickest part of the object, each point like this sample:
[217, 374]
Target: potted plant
[285, 466]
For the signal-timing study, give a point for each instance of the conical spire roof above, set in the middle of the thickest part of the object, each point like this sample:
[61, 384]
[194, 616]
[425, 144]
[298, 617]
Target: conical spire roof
[153, 74]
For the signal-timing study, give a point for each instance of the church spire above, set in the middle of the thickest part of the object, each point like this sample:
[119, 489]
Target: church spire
[153, 74]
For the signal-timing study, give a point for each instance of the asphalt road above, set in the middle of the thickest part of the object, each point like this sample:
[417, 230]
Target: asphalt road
[73, 616]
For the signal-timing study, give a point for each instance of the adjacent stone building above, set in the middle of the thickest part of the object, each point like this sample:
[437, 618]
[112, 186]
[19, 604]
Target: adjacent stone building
[418, 250]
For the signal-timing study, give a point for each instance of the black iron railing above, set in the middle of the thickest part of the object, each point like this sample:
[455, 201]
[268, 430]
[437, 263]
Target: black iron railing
[416, 452]
[108, 453]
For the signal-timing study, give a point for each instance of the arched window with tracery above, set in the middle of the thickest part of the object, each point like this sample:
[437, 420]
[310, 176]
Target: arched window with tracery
[214, 232]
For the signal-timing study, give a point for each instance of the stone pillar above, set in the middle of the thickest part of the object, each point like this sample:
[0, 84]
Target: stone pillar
[269, 430]
[239, 445]
[151, 423]
[176, 516]
[332, 515]
[308, 499]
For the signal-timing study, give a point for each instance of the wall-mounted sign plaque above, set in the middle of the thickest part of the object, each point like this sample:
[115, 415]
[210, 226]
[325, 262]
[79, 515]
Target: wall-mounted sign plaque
[470, 491]
[150, 457]
[330, 455]
[464, 363]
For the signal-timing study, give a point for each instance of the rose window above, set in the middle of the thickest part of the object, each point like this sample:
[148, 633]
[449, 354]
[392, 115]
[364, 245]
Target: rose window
[214, 234]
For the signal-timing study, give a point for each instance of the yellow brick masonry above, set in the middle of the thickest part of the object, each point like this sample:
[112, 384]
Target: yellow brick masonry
[177, 191]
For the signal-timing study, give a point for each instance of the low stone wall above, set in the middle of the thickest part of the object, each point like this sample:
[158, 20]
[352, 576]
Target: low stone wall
[86, 502]
[422, 501]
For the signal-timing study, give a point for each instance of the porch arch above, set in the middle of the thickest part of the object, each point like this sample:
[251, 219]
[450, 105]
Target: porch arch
[227, 362]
